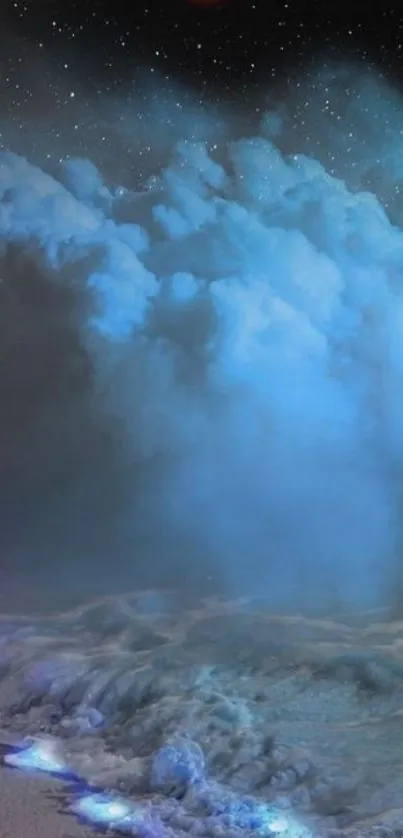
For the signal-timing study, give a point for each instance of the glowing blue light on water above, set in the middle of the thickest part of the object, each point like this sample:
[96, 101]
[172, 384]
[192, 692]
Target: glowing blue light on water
[103, 810]
[269, 821]
[278, 824]
[284, 825]
[38, 756]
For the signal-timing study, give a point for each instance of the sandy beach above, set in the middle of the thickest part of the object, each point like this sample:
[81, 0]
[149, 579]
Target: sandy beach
[29, 808]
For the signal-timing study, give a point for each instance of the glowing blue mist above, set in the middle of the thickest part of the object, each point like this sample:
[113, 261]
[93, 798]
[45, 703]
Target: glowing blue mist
[246, 333]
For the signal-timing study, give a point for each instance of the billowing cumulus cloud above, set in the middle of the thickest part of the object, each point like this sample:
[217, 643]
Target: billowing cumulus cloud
[239, 325]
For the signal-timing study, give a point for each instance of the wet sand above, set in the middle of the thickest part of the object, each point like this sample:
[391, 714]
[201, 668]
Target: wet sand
[29, 809]
[29, 804]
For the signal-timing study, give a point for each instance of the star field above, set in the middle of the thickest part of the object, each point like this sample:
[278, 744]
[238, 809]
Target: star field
[65, 66]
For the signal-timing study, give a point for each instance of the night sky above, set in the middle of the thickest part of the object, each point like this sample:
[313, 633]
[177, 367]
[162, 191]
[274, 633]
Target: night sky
[58, 60]
[231, 48]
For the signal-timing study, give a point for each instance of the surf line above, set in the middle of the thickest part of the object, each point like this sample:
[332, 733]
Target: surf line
[91, 805]
[96, 807]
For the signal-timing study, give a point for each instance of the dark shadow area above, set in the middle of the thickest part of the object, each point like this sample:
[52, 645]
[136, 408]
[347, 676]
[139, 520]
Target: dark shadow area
[65, 478]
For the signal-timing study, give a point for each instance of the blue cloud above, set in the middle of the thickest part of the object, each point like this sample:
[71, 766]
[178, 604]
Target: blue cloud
[247, 334]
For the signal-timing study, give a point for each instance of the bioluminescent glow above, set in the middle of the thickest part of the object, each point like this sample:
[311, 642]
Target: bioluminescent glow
[279, 824]
[283, 825]
[108, 810]
[103, 810]
[40, 755]
[264, 820]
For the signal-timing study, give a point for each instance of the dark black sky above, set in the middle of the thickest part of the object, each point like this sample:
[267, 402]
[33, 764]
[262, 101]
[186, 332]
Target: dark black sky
[230, 47]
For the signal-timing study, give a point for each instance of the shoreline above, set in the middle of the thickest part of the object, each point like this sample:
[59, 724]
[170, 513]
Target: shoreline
[205, 711]
[29, 808]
